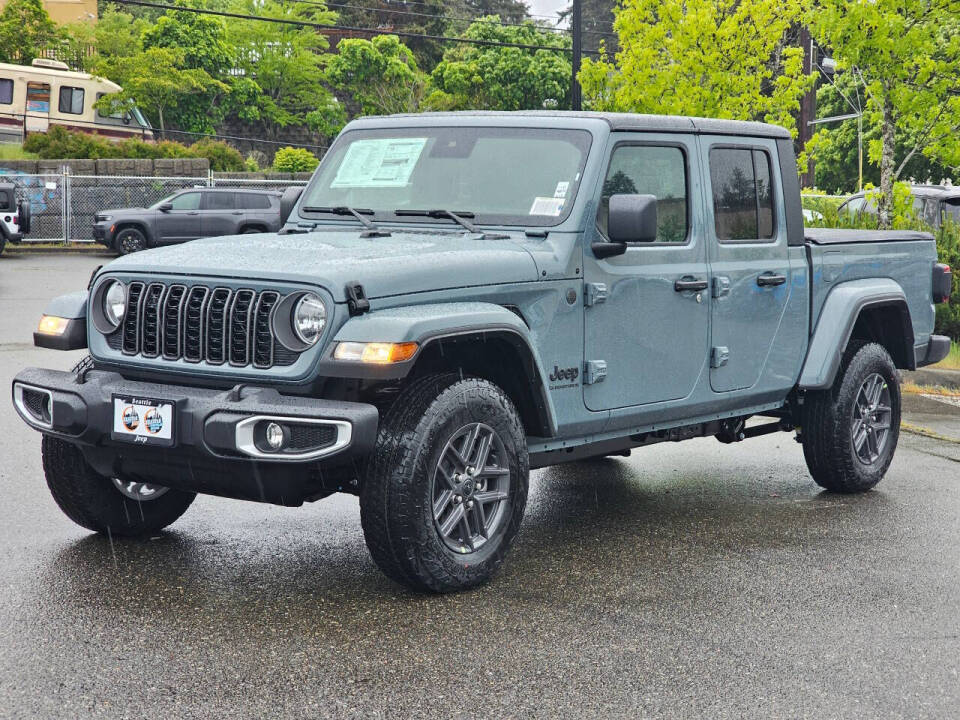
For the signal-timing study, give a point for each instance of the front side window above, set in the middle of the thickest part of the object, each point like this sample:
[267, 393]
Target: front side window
[494, 175]
[187, 201]
[650, 170]
[71, 100]
[742, 194]
[6, 91]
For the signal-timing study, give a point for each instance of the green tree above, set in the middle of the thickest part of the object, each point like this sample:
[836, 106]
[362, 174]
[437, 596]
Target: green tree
[426, 17]
[201, 38]
[906, 55]
[25, 29]
[596, 17]
[380, 75]
[155, 81]
[835, 147]
[290, 159]
[712, 58]
[503, 78]
[115, 34]
[285, 65]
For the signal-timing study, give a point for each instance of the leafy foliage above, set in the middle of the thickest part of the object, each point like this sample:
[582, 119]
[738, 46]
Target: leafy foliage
[499, 78]
[62, 144]
[713, 58]
[290, 159]
[906, 55]
[25, 28]
[380, 75]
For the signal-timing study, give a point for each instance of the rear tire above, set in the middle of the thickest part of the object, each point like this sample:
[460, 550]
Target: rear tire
[432, 520]
[130, 240]
[93, 501]
[850, 431]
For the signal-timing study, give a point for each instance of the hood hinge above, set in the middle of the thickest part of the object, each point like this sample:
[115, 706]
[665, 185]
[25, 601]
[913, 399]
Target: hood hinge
[594, 294]
[357, 302]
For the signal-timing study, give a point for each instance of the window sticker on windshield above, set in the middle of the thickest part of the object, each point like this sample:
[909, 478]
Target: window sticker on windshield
[547, 206]
[381, 162]
[561, 190]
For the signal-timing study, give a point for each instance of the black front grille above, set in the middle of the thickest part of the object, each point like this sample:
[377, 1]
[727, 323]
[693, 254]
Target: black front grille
[201, 324]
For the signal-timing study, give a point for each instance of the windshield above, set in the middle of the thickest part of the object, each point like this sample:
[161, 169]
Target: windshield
[495, 175]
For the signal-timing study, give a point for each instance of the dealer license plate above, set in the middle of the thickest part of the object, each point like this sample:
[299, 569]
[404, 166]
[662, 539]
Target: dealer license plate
[143, 421]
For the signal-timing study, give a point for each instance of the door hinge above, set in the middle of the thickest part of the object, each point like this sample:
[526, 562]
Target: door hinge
[594, 293]
[721, 286]
[594, 371]
[719, 356]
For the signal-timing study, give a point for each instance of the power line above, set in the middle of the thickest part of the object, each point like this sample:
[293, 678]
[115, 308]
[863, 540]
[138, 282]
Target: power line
[349, 28]
[447, 18]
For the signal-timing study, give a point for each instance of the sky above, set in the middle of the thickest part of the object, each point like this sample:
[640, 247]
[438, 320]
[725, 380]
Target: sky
[546, 7]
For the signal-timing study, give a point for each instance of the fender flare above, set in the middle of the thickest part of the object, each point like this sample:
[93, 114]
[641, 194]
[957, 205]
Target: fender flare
[429, 325]
[838, 317]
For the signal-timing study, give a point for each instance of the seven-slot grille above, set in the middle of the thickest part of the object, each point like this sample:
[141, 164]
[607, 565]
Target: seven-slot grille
[213, 325]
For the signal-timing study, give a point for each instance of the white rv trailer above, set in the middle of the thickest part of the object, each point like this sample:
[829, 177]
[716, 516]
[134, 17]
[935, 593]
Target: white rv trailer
[35, 97]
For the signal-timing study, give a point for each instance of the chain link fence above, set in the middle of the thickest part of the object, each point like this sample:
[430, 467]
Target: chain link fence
[63, 205]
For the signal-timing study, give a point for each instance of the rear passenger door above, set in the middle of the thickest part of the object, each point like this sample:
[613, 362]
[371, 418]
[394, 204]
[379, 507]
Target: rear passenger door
[219, 214]
[749, 262]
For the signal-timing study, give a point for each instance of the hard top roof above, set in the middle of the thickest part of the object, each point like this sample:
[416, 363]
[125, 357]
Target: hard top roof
[616, 121]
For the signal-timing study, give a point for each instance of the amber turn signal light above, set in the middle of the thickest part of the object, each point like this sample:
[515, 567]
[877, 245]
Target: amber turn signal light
[375, 353]
[52, 325]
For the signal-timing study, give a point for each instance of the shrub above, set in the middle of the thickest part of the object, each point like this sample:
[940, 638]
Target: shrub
[61, 144]
[290, 159]
[222, 157]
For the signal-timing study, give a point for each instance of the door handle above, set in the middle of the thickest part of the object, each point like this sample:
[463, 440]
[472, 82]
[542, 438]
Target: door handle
[237, 212]
[769, 279]
[193, 212]
[689, 283]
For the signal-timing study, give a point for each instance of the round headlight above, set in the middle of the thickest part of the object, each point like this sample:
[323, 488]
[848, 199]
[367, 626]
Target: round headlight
[309, 318]
[115, 303]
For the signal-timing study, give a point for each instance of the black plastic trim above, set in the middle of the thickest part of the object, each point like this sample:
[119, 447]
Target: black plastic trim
[73, 338]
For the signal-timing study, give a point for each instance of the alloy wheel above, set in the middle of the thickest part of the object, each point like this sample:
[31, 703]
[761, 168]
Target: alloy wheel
[871, 419]
[471, 488]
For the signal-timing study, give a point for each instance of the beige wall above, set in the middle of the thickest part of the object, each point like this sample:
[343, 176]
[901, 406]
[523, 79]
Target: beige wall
[68, 11]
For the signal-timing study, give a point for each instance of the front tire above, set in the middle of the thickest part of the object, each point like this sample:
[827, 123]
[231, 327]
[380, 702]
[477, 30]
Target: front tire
[850, 432]
[103, 504]
[130, 240]
[445, 491]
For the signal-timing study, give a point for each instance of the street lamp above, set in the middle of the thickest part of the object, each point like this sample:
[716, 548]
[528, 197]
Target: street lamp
[829, 67]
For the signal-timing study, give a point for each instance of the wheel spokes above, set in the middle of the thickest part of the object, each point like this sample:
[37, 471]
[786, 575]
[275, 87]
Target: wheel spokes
[453, 519]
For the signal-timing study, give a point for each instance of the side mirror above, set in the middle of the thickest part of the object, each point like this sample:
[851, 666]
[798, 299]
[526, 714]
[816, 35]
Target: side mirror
[166, 207]
[631, 219]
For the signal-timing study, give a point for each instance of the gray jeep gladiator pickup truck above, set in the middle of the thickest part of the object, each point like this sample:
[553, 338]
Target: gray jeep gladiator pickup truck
[459, 298]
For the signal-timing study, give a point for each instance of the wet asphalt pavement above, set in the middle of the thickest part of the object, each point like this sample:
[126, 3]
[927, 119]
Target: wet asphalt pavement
[694, 580]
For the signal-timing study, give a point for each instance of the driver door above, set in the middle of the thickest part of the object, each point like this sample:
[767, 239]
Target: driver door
[182, 221]
[651, 333]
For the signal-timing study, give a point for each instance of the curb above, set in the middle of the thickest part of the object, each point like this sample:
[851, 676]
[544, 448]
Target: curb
[76, 249]
[934, 377]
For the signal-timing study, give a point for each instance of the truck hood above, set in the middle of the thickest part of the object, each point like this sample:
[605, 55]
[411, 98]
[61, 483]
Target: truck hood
[406, 262]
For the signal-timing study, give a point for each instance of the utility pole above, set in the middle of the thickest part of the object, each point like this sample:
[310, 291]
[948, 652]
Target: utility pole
[808, 104]
[576, 24]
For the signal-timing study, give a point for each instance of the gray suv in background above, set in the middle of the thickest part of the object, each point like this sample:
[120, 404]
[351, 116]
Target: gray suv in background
[188, 215]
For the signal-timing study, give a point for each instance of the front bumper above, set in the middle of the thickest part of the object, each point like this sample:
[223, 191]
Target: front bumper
[212, 449]
[103, 233]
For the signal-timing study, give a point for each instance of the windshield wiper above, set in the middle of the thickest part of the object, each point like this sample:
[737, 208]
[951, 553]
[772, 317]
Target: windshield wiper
[372, 230]
[458, 217]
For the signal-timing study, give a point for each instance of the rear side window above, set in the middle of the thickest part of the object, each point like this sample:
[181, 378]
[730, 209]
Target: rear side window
[253, 201]
[218, 201]
[6, 91]
[742, 194]
[5, 202]
[71, 100]
[655, 170]
[951, 210]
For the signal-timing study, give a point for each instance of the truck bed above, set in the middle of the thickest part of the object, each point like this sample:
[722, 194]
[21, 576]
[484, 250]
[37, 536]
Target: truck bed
[835, 236]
